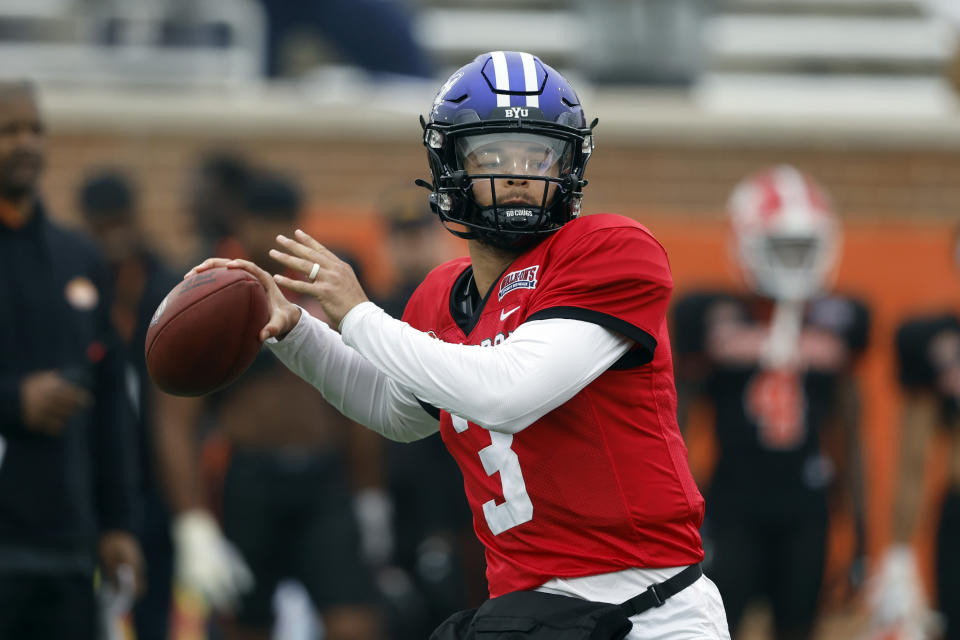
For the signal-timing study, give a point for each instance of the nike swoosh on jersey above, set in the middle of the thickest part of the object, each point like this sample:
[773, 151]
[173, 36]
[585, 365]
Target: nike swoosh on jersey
[506, 314]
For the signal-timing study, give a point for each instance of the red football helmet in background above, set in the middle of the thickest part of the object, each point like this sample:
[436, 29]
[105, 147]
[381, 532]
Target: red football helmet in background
[786, 237]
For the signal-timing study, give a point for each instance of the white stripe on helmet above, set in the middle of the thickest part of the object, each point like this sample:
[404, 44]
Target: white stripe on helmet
[792, 188]
[530, 79]
[501, 77]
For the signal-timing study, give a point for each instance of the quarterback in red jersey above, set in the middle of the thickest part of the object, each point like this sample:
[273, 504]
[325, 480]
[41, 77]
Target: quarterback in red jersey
[542, 359]
[600, 456]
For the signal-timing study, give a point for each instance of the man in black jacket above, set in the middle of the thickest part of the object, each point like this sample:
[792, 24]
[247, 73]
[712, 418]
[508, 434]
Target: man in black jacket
[67, 440]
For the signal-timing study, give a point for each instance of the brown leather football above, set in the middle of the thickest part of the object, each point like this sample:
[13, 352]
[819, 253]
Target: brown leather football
[204, 333]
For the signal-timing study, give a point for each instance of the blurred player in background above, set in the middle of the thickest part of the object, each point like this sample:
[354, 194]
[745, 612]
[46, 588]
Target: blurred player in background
[204, 563]
[776, 365]
[928, 350]
[216, 190]
[435, 545]
[67, 436]
[542, 358]
[289, 505]
[414, 246]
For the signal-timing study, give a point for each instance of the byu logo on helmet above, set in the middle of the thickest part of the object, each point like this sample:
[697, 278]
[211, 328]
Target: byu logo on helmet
[508, 144]
[517, 112]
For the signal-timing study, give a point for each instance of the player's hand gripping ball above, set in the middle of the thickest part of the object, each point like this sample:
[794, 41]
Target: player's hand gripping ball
[205, 332]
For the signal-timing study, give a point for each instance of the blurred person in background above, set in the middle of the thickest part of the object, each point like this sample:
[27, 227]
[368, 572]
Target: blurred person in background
[928, 351]
[67, 435]
[431, 516]
[216, 191]
[413, 244]
[542, 359]
[302, 496]
[169, 479]
[776, 363]
[376, 35]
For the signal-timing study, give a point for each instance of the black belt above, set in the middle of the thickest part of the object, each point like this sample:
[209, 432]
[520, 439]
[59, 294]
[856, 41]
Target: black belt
[657, 594]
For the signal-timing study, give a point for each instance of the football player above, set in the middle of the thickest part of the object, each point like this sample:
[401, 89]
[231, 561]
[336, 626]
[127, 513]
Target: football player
[542, 359]
[775, 364]
[928, 349]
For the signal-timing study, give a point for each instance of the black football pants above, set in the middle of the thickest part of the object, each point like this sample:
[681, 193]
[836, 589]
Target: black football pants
[40, 606]
[948, 564]
[778, 558]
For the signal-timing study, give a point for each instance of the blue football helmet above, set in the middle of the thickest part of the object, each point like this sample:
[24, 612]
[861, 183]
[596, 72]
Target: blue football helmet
[507, 121]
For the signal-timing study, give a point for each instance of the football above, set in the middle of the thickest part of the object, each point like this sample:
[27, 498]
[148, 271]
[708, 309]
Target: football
[204, 333]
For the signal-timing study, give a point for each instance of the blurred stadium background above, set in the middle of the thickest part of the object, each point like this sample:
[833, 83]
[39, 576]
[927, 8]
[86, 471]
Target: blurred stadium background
[691, 96]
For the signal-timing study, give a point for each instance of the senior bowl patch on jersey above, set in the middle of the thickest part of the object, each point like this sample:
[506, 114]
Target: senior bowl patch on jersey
[523, 279]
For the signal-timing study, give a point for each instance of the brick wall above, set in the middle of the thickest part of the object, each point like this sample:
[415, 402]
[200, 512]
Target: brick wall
[683, 177]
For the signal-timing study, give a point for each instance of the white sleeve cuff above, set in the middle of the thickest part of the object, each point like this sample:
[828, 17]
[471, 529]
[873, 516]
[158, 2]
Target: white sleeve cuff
[298, 330]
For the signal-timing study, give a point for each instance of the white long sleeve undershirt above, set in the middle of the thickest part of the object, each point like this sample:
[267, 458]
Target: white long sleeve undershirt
[376, 372]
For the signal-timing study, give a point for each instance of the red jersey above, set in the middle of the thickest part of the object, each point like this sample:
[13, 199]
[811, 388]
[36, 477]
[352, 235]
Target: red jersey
[601, 483]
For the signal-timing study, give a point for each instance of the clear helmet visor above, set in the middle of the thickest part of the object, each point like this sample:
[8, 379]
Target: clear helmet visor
[515, 154]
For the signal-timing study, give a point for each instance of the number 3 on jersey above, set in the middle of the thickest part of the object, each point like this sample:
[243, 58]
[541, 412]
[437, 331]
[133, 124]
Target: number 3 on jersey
[516, 508]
